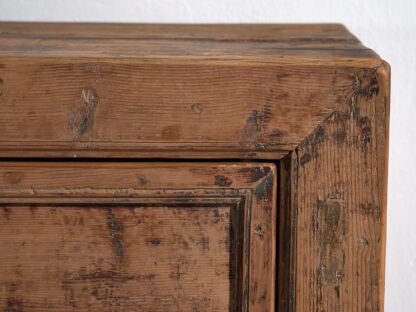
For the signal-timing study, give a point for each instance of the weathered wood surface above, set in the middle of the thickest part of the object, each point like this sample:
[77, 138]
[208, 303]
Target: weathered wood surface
[334, 202]
[123, 237]
[310, 95]
[231, 32]
[218, 91]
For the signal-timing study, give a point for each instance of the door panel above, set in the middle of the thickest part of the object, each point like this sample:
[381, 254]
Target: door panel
[137, 236]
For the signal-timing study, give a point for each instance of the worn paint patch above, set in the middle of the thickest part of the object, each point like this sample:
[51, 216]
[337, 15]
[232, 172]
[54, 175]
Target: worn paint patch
[82, 117]
[332, 221]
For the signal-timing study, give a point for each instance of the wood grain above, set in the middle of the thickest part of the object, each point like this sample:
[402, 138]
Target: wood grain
[86, 90]
[231, 32]
[115, 258]
[311, 96]
[338, 195]
[143, 236]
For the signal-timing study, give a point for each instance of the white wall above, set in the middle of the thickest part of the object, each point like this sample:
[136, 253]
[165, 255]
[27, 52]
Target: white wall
[388, 27]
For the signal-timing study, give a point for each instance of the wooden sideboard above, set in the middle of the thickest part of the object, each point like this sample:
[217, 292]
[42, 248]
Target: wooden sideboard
[150, 167]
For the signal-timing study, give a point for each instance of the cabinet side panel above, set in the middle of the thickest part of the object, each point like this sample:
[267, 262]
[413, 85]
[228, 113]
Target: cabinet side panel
[341, 202]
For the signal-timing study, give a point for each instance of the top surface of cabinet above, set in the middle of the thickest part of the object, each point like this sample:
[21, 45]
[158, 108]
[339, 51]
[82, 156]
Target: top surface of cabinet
[246, 42]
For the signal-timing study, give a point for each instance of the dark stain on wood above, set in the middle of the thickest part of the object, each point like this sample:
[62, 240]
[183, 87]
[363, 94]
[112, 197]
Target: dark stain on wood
[6, 212]
[254, 174]
[82, 117]
[365, 130]
[113, 276]
[258, 229]
[309, 146]
[33, 209]
[336, 288]
[340, 136]
[176, 275]
[264, 189]
[142, 181]
[316, 137]
[332, 220]
[281, 76]
[276, 134]
[204, 242]
[259, 118]
[364, 241]
[154, 241]
[354, 111]
[116, 234]
[367, 85]
[305, 158]
[14, 305]
[223, 181]
[370, 210]
[255, 123]
[338, 120]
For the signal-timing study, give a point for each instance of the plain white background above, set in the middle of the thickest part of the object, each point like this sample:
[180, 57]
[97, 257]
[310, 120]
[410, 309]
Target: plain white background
[387, 26]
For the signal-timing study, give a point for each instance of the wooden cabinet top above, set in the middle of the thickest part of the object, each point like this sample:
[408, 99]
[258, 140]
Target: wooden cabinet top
[181, 42]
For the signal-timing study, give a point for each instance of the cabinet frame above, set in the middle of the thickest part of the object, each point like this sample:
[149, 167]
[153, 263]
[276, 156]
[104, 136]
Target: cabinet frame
[311, 98]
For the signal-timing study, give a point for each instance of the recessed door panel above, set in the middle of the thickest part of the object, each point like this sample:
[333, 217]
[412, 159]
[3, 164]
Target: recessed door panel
[137, 236]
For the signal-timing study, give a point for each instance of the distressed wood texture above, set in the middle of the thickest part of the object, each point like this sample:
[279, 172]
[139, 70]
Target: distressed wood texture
[334, 206]
[137, 237]
[171, 91]
[311, 98]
